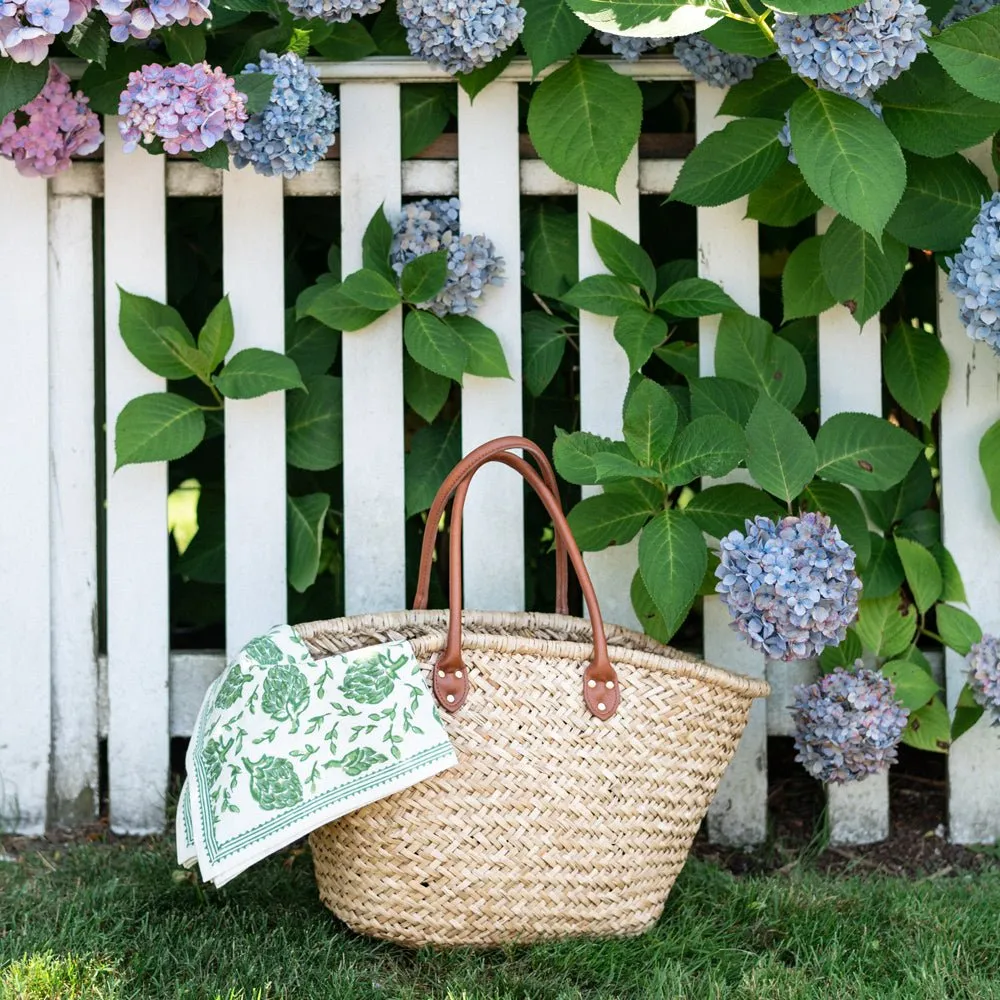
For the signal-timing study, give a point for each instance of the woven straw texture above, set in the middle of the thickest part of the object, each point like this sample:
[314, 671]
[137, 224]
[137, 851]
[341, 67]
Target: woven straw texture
[554, 824]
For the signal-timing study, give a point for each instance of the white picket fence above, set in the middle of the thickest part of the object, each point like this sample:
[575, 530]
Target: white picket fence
[58, 699]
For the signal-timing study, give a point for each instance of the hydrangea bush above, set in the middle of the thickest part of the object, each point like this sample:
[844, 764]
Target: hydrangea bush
[833, 551]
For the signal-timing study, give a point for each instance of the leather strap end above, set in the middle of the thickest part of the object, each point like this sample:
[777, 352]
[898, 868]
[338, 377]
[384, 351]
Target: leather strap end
[600, 690]
[450, 683]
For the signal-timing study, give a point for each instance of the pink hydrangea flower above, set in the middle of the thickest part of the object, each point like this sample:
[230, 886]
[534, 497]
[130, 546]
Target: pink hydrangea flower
[28, 27]
[189, 107]
[59, 124]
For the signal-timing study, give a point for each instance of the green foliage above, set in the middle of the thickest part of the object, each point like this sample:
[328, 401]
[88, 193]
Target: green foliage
[19, 83]
[730, 163]
[848, 157]
[989, 460]
[804, 287]
[551, 32]
[305, 516]
[781, 456]
[672, 561]
[916, 370]
[584, 120]
[970, 52]
[424, 113]
[157, 427]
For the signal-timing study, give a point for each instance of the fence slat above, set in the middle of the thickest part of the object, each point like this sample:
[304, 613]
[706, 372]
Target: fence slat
[489, 190]
[850, 380]
[24, 505]
[972, 535]
[138, 592]
[372, 363]
[73, 500]
[253, 245]
[604, 378]
[727, 254]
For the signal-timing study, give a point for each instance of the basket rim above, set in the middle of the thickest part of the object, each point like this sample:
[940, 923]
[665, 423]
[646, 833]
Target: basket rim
[670, 661]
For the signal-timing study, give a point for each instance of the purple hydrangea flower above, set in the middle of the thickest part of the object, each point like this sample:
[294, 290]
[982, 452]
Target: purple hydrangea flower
[984, 675]
[189, 107]
[848, 724]
[28, 28]
[856, 51]
[966, 8]
[710, 64]
[297, 126]
[628, 48]
[335, 11]
[975, 276]
[140, 18]
[791, 587]
[59, 125]
[460, 35]
[433, 224]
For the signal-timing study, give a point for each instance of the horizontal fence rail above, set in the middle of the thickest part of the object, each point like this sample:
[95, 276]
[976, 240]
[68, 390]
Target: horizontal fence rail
[140, 694]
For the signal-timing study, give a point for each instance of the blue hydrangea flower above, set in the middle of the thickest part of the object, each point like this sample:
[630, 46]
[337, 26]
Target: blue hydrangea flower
[791, 587]
[848, 724]
[339, 11]
[433, 224]
[630, 49]
[966, 8]
[975, 276]
[984, 675]
[710, 64]
[856, 51]
[298, 124]
[460, 35]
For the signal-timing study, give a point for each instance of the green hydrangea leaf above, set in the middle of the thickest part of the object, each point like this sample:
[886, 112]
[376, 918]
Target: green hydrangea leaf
[708, 446]
[884, 572]
[157, 427]
[958, 628]
[551, 32]
[886, 625]
[730, 162]
[543, 345]
[784, 199]
[650, 421]
[306, 515]
[639, 332]
[848, 157]
[804, 288]
[20, 83]
[970, 53]
[314, 424]
[584, 120]
[718, 510]
[781, 456]
[916, 370]
[672, 561]
[434, 452]
[255, 372]
[769, 93]
[607, 519]
[864, 451]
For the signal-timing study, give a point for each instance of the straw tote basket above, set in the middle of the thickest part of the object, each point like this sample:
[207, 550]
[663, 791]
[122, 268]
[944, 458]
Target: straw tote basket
[588, 755]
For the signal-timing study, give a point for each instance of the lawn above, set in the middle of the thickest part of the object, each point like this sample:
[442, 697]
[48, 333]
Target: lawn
[116, 921]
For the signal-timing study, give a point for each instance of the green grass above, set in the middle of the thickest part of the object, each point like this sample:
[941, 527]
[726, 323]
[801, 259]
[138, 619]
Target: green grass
[106, 922]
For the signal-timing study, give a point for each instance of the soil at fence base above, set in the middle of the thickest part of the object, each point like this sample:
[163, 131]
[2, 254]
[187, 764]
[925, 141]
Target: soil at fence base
[918, 812]
[917, 846]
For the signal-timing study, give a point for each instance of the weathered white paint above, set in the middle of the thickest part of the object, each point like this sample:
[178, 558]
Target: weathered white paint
[137, 568]
[970, 532]
[421, 178]
[73, 509]
[727, 254]
[604, 378]
[24, 505]
[850, 381]
[253, 245]
[372, 363]
[488, 183]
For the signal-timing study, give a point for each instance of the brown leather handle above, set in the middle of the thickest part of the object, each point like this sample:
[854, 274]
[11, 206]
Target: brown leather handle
[496, 450]
[451, 682]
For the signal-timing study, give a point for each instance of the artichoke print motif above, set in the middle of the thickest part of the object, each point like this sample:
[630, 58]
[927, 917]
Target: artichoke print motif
[358, 761]
[264, 651]
[231, 689]
[273, 782]
[285, 694]
[213, 755]
[371, 681]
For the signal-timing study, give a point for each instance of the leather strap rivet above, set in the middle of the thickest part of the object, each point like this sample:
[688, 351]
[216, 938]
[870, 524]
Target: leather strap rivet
[440, 673]
[609, 684]
[458, 674]
[601, 707]
[591, 684]
[450, 698]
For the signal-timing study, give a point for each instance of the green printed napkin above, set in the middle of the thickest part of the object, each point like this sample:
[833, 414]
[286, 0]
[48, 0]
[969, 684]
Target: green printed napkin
[285, 743]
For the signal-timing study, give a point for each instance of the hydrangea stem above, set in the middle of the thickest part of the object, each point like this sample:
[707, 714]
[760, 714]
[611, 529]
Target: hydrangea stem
[759, 19]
